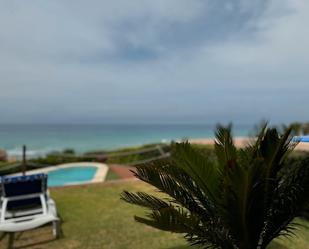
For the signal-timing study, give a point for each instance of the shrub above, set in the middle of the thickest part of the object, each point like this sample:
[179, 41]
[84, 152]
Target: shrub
[243, 199]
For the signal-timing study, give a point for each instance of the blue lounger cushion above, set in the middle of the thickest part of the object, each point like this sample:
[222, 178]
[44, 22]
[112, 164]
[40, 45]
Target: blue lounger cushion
[303, 139]
[23, 185]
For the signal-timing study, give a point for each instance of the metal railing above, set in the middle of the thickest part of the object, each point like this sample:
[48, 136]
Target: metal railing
[161, 155]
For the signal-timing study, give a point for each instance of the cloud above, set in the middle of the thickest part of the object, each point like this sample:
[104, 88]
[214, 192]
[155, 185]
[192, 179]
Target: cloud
[153, 61]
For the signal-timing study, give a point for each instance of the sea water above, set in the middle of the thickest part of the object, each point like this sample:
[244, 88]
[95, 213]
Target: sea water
[41, 139]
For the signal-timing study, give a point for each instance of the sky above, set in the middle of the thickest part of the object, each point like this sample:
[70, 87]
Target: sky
[163, 61]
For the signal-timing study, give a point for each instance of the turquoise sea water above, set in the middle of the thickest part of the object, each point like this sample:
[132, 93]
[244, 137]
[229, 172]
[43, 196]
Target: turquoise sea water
[41, 139]
[61, 177]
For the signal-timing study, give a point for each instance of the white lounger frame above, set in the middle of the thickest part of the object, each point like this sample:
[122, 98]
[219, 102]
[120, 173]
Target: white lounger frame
[29, 219]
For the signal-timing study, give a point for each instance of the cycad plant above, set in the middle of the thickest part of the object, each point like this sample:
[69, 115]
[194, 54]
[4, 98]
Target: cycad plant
[243, 199]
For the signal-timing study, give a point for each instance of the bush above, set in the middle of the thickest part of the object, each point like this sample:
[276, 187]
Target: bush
[241, 199]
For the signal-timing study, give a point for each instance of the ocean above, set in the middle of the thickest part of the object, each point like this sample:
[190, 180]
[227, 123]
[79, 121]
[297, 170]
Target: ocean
[41, 139]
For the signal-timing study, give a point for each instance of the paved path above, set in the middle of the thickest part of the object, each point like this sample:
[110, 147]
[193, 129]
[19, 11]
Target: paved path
[124, 172]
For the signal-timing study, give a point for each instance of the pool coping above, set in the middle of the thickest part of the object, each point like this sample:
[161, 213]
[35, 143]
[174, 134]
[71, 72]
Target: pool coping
[100, 175]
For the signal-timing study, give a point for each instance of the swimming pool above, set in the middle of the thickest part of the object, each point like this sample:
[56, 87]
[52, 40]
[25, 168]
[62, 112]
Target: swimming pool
[71, 175]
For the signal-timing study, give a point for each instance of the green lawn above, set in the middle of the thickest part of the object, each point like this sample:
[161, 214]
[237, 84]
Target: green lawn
[94, 217]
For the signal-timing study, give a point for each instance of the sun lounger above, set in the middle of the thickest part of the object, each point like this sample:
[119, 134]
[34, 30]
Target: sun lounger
[25, 204]
[301, 139]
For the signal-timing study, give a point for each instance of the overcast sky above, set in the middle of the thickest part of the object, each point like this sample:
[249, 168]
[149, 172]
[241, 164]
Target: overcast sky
[152, 61]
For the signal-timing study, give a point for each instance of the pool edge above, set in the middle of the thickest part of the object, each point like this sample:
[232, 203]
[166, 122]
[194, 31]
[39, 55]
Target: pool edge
[99, 176]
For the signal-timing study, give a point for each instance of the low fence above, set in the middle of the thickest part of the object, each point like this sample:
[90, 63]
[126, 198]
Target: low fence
[101, 157]
[159, 149]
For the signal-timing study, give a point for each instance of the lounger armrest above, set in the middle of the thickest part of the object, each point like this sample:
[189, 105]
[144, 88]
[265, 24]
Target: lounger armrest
[3, 209]
[51, 207]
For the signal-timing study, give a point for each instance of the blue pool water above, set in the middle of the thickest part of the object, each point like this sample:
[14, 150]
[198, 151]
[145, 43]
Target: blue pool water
[72, 175]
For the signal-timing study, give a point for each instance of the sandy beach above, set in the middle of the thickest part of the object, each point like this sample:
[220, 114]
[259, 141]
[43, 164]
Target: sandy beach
[242, 141]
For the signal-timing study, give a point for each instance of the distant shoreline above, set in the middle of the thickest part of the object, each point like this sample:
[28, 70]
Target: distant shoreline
[242, 142]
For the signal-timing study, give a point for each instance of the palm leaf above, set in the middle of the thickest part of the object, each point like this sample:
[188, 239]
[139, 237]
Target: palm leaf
[178, 220]
[225, 149]
[199, 168]
[178, 185]
[290, 198]
[144, 200]
[172, 219]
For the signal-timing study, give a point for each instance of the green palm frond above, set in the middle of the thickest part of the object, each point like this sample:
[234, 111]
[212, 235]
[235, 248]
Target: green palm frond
[200, 169]
[178, 220]
[225, 149]
[290, 198]
[178, 185]
[171, 218]
[144, 200]
[274, 148]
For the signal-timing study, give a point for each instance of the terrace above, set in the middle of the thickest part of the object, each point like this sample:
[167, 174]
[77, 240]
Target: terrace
[93, 216]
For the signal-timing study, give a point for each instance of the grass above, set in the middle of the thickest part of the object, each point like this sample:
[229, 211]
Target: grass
[95, 218]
